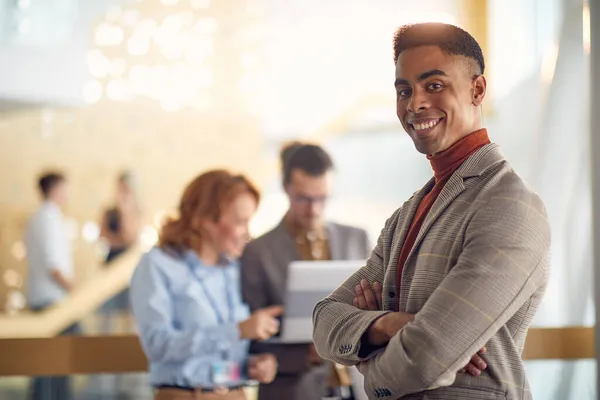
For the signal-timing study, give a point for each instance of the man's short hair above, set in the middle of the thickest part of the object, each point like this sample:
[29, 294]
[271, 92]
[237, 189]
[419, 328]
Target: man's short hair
[451, 39]
[48, 181]
[311, 159]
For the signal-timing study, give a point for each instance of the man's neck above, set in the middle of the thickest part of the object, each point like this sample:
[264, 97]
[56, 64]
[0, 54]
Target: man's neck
[453, 143]
[296, 229]
[53, 204]
[446, 162]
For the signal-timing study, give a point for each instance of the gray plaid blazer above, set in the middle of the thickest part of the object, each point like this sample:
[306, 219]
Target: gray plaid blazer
[475, 277]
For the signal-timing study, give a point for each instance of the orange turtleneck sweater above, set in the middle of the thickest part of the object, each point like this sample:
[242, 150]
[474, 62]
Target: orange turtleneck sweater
[444, 164]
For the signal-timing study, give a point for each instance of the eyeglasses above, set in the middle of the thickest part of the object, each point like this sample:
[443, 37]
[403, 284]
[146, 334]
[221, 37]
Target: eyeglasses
[309, 200]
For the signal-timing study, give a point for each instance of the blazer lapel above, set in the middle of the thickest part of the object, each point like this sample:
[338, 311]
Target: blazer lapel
[474, 166]
[451, 190]
[409, 208]
[285, 243]
[336, 250]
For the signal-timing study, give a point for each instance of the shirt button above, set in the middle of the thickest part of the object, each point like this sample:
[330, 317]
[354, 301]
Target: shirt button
[392, 294]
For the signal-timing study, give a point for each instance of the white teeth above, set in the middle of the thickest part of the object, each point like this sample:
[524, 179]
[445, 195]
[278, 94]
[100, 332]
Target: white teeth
[425, 125]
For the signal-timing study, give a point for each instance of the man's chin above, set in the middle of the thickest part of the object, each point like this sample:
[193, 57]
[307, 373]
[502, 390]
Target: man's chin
[428, 147]
[312, 225]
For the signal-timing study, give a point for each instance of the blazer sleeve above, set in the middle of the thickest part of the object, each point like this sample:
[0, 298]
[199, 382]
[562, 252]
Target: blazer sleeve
[253, 279]
[291, 358]
[338, 325]
[504, 262]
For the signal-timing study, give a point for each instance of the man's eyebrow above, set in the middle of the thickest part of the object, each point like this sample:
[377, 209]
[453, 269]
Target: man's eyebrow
[422, 77]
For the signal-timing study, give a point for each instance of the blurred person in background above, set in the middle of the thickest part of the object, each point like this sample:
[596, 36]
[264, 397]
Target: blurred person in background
[185, 294]
[50, 270]
[302, 234]
[120, 228]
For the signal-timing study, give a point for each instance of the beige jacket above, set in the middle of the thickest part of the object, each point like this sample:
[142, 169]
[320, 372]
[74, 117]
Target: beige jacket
[475, 277]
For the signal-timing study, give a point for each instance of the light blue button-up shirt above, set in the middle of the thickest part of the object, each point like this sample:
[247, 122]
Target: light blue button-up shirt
[182, 334]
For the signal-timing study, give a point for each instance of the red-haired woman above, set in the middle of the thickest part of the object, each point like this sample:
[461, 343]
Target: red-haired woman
[186, 299]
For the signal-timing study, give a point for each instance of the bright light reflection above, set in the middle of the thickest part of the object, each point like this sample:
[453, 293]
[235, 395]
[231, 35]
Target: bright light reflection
[148, 237]
[549, 64]
[118, 67]
[92, 92]
[18, 251]
[586, 28]
[180, 37]
[118, 90]
[12, 279]
[200, 3]
[108, 35]
[90, 232]
[97, 63]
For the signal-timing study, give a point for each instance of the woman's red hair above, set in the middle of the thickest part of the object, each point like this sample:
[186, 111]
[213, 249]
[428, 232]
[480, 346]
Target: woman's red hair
[203, 199]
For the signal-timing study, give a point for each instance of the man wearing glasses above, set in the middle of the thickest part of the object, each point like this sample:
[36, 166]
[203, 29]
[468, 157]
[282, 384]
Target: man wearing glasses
[303, 234]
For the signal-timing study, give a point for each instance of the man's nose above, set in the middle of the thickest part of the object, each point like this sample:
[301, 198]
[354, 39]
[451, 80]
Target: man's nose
[418, 102]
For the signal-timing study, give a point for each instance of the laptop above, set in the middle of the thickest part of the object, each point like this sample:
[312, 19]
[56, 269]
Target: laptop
[308, 283]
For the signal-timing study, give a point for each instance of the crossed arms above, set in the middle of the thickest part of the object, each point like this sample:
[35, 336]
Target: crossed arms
[502, 264]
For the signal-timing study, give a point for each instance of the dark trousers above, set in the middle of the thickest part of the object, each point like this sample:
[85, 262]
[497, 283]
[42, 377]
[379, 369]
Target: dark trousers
[53, 387]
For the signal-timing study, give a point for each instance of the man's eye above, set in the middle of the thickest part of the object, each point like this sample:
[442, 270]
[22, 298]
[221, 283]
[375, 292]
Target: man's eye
[403, 92]
[434, 86]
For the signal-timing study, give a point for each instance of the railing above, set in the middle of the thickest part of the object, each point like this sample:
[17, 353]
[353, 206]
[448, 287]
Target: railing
[84, 300]
[67, 355]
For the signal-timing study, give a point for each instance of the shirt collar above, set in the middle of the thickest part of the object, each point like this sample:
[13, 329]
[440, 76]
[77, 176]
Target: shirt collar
[302, 234]
[202, 270]
[51, 206]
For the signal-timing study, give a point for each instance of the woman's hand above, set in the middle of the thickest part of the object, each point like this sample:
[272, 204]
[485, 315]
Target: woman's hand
[262, 324]
[262, 368]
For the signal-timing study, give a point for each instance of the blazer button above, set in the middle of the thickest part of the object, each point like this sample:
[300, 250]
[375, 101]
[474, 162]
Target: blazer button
[392, 294]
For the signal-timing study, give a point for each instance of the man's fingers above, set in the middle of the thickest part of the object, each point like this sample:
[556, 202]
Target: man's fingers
[483, 350]
[475, 366]
[378, 289]
[369, 295]
[471, 369]
[478, 362]
[360, 297]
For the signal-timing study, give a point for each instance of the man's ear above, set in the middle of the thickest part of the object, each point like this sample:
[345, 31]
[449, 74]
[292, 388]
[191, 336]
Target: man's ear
[479, 90]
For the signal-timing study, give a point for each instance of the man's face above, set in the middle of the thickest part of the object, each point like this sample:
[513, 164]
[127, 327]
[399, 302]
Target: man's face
[437, 97]
[307, 195]
[60, 193]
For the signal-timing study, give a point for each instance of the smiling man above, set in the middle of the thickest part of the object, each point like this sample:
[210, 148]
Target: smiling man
[462, 265]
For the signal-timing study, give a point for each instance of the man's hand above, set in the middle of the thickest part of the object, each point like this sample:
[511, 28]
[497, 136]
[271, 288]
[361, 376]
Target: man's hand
[476, 365]
[62, 280]
[386, 327]
[262, 368]
[369, 298]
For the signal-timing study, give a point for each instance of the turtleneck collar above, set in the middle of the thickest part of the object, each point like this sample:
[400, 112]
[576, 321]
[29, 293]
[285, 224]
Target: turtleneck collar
[446, 162]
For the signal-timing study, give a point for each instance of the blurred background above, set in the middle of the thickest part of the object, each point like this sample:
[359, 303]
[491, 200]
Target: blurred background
[167, 89]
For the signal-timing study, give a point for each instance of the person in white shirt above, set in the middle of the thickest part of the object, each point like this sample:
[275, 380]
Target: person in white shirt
[50, 269]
